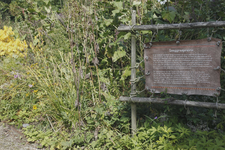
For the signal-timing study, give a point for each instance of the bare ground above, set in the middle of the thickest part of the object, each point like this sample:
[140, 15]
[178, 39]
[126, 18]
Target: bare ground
[13, 139]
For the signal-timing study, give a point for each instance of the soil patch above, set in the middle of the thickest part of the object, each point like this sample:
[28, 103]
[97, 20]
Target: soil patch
[13, 139]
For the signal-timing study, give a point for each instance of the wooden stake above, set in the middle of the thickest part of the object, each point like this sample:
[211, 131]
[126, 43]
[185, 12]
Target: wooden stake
[133, 76]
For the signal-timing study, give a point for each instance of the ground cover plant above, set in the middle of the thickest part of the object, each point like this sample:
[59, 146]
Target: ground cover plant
[62, 82]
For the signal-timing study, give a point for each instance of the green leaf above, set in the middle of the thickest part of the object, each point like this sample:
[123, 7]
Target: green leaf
[30, 140]
[124, 119]
[127, 36]
[115, 12]
[154, 16]
[48, 9]
[118, 54]
[126, 73]
[118, 5]
[23, 37]
[186, 16]
[104, 80]
[37, 9]
[136, 3]
[146, 32]
[172, 137]
[108, 22]
[46, 1]
[169, 15]
[35, 42]
[124, 19]
[66, 144]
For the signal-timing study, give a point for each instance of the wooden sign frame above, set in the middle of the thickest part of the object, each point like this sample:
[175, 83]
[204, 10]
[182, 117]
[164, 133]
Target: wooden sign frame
[133, 99]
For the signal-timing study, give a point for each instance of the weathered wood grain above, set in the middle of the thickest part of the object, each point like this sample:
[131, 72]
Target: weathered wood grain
[133, 76]
[172, 102]
[172, 26]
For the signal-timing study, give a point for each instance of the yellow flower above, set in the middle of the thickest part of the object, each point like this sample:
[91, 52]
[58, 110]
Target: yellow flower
[10, 46]
[35, 91]
[34, 107]
[27, 94]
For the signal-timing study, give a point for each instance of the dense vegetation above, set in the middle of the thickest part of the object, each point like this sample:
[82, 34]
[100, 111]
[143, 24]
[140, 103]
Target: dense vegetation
[63, 77]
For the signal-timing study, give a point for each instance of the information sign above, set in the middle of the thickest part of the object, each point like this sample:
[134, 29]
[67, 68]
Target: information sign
[188, 67]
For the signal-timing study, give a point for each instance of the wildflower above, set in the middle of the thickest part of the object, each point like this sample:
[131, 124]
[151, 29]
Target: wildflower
[30, 85]
[156, 117]
[34, 107]
[35, 91]
[27, 94]
[16, 76]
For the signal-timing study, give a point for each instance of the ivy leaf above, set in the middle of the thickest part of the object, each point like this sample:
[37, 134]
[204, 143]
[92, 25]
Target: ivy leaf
[169, 15]
[118, 54]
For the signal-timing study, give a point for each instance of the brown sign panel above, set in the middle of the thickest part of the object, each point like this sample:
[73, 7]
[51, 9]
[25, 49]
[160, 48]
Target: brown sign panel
[190, 67]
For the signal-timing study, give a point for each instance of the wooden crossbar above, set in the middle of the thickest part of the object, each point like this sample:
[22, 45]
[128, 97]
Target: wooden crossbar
[172, 26]
[172, 102]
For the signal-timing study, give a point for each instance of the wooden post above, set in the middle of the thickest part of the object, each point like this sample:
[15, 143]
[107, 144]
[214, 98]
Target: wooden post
[133, 76]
